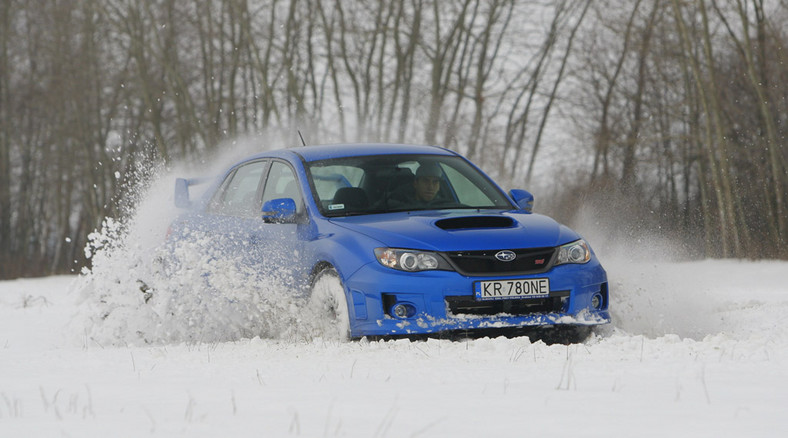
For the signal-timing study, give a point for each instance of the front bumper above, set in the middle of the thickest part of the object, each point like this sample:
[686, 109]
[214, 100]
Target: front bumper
[374, 290]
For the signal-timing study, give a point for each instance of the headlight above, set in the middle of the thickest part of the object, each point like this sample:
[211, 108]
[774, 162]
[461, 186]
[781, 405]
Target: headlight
[410, 260]
[575, 252]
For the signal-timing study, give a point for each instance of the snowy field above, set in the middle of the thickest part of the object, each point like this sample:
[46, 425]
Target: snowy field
[697, 349]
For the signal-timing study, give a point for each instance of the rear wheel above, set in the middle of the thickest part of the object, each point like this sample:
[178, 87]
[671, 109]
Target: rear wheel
[330, 305]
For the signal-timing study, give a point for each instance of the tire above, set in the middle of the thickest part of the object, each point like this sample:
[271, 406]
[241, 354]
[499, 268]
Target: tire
[564, 334]
[329, 303]
[572, 334]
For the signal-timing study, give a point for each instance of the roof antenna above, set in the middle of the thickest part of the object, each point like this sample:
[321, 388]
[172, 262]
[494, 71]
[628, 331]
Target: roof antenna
[302, 138]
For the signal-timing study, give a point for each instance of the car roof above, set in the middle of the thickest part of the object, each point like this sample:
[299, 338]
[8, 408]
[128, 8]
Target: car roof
[327, 151]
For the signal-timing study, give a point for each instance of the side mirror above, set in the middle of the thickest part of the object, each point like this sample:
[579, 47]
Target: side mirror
[279, 211]
[524, 199]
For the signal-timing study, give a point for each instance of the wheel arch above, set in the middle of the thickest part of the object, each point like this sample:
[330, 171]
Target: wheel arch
[319, 267]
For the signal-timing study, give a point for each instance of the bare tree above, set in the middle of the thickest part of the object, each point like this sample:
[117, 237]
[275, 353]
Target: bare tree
[6, 69]
[681, 103]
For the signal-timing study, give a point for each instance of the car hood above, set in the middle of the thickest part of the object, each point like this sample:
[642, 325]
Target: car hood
[460, 230]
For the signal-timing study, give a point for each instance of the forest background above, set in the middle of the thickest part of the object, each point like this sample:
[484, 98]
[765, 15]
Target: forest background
[664, 117]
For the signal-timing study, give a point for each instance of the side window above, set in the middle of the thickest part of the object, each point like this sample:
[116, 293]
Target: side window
[240, 196]
[282, 183]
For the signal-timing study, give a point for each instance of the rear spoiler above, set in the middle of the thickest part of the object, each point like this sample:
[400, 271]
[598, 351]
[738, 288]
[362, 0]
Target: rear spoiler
[182, 190]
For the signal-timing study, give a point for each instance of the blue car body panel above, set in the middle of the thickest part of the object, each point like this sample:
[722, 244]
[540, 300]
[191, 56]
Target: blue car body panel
[418, 230]
[443, 299]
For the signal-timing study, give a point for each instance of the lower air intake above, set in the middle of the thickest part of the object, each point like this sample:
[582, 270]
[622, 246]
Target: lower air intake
[466, 305]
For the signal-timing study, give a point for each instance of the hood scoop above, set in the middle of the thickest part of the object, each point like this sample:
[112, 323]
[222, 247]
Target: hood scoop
[472, 222]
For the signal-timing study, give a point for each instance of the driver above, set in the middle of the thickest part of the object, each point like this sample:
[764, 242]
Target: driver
[421, 192]
[427, 182]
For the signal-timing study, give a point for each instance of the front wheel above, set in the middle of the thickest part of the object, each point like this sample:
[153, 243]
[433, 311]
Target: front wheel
[330, 305]
[567, 334]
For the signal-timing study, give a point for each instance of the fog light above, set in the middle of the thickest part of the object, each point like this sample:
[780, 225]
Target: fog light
[596, 301]
[403, 310]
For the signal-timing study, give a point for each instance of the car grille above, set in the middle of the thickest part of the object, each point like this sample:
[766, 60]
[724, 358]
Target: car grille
[468, 305]
[528, 261]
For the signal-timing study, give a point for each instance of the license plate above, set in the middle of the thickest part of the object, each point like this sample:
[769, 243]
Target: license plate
[505, 289]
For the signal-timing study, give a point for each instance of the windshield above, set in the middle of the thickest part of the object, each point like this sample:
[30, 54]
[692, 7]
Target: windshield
[388, 183]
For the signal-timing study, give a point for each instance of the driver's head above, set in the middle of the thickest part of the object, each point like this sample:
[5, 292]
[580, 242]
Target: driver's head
[427, 182]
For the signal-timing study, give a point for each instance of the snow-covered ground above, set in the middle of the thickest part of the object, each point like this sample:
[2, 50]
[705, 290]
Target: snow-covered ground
[697, 349]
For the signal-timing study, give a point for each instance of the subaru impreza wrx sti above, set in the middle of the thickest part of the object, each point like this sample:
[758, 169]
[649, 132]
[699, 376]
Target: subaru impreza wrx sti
[401, 240]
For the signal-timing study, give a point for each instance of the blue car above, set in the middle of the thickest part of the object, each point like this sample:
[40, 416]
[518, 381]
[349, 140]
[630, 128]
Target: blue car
[391, 240]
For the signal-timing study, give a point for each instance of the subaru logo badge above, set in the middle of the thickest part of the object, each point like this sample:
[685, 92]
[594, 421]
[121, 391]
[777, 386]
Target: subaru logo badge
[505, 255]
